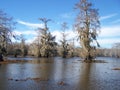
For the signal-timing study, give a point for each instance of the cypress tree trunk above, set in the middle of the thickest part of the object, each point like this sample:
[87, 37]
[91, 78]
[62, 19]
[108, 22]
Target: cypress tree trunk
[1, 57]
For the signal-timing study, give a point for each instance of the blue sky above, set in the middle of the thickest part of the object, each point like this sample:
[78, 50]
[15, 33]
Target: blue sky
[27, 12]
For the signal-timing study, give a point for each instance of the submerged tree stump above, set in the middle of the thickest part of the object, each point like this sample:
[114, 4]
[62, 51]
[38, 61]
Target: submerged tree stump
[1, 57]
[88, 61]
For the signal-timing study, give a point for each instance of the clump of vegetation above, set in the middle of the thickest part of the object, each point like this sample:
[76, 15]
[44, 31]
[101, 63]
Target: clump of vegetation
[87, 25]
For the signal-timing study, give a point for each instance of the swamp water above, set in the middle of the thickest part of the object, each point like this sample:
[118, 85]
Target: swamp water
[60, 74]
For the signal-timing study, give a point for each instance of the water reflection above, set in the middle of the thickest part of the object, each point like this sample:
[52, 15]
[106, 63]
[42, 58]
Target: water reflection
[75, 75]
[85, 76]
[58, 70]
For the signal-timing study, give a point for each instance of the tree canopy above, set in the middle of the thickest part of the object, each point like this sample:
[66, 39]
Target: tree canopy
[6, 27]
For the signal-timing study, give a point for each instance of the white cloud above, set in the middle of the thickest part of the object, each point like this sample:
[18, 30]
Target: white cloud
[109, 35]
[108, 16]
[17, 32]
[67, 15]
[70, 36]
[108, 42]
[33, 25]
[27, 32]
[110, 31]
[57, 34]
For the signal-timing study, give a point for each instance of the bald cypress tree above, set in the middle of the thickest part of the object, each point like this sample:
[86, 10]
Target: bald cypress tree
[87, 25]
[47, 41]
[6, 27]
[64, 43]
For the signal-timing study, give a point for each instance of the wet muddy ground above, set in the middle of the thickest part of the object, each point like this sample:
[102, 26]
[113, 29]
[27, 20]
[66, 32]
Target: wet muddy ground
[60, 74]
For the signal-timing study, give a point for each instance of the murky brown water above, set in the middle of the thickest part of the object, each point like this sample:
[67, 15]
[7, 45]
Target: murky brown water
[60, 74]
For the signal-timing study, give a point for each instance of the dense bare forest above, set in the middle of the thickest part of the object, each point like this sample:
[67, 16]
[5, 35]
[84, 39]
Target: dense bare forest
[45, 44]
[87, 26]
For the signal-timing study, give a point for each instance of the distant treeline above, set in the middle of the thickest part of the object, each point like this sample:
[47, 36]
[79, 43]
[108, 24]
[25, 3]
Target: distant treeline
[16, 49]
[113, 52]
